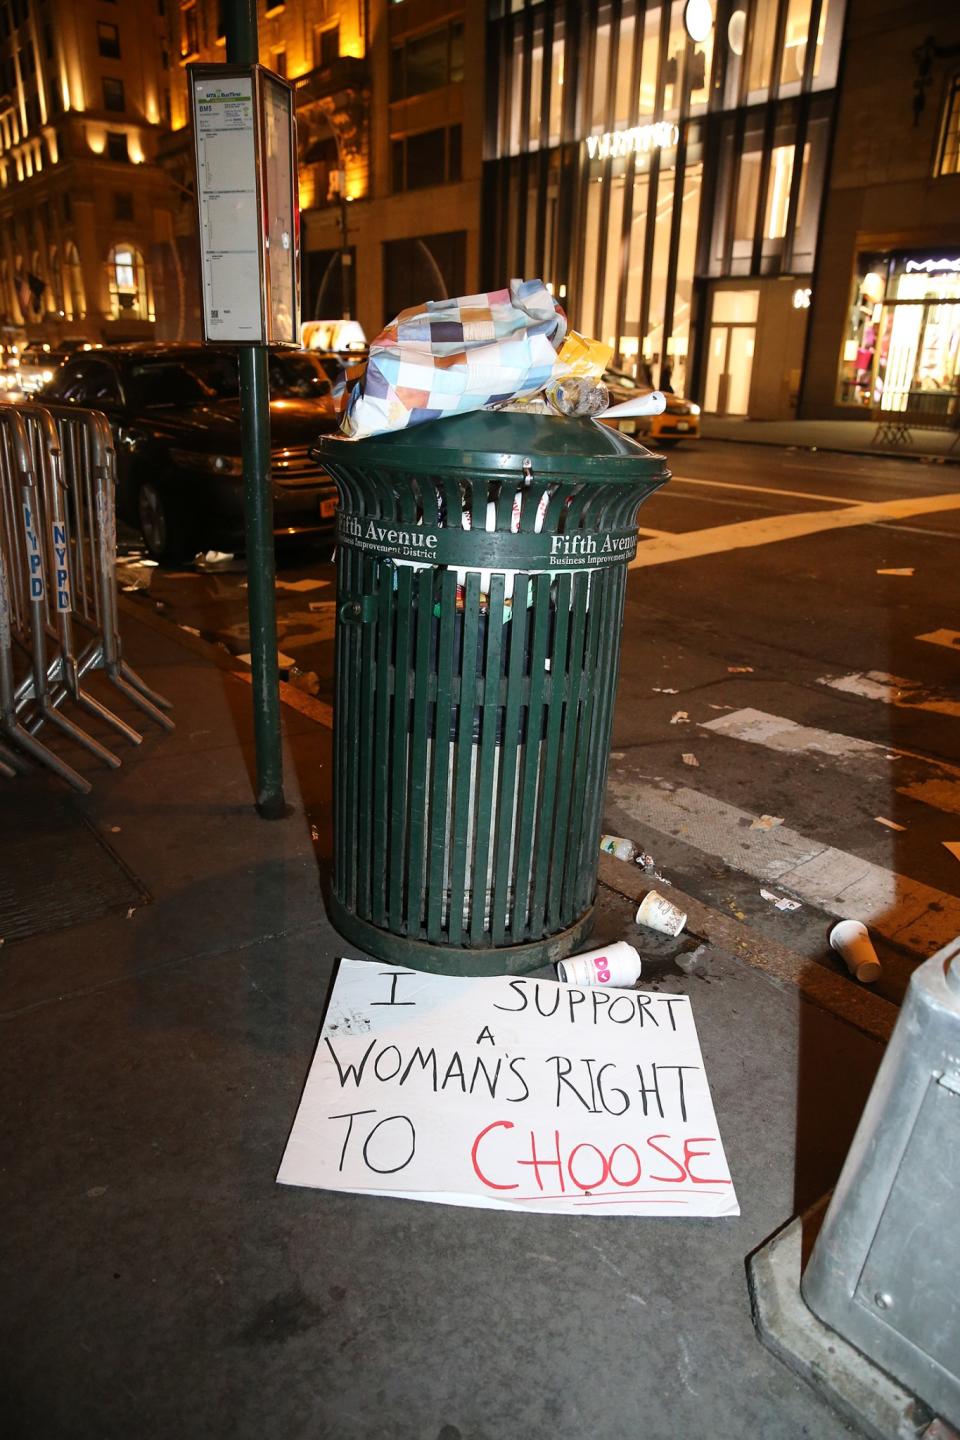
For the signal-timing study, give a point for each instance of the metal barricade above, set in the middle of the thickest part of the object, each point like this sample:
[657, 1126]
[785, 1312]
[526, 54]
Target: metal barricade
[58, 607]
[90, 474]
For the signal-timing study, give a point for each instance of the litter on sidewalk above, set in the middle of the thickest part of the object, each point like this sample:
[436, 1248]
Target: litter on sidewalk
[656, 912]
[618, 964]
[780, 902]
[766, 822]
[852, 941]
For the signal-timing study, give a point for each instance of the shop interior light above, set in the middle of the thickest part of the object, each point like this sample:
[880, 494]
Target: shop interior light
[872, 285]
[698, 20]
[736, 31]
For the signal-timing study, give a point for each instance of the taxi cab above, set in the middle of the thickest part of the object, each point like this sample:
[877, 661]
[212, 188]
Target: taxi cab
[680, 420]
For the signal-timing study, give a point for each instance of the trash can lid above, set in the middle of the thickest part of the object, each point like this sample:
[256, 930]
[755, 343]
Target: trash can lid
[486, 440]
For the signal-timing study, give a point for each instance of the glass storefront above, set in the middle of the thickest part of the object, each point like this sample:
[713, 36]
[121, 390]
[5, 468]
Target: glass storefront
[902, 346]
[630, 166]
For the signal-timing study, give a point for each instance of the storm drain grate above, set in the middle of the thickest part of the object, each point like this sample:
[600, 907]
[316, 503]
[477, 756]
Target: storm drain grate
[54, 868]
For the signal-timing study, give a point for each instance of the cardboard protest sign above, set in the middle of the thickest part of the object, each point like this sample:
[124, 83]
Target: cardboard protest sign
[516, 1094]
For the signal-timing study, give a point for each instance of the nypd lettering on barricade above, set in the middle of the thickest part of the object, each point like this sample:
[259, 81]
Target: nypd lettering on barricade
[451, 545]
[58, 534]
[34, 556]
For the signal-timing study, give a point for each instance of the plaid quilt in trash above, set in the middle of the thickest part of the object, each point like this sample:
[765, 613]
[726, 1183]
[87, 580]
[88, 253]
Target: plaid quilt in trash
[450, 356]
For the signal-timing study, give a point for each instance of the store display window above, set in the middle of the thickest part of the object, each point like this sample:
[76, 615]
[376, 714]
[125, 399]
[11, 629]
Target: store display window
[902, 345]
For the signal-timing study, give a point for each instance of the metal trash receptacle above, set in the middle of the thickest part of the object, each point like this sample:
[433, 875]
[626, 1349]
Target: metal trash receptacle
[481, 575]
[883, 1271]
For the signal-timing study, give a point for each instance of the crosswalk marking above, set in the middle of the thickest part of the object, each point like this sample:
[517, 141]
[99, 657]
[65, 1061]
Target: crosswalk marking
[721, 539]
[763, 490]
[775, 732]
[941, 794]
[892, 690]
[949, 638]
[904, 910]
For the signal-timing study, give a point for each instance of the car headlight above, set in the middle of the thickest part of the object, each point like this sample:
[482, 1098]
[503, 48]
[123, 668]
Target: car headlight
[214, 464]
[46, 375]
[694, 409]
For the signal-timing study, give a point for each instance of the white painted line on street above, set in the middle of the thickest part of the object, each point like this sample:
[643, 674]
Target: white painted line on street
[940, 794]
[891, 689]
[746, 534]
[764, 490]
[911, 913]
[918, 530]
[653, 534]
[775, 732]
[949, 638]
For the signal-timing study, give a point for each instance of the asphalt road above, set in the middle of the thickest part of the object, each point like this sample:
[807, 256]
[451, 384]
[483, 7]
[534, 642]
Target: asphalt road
[785, 721]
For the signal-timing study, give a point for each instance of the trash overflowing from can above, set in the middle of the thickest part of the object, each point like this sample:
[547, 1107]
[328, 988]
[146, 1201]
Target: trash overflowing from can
[482, 561]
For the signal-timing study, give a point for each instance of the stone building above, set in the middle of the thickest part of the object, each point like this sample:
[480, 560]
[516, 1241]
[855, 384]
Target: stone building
[390, 127]
[84, 97]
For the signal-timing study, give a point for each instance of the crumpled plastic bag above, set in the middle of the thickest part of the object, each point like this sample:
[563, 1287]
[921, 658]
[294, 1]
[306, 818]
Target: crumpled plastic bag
[448, 357]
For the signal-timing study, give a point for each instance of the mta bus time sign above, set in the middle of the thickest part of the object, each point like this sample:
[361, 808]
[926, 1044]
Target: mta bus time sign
[244, 131]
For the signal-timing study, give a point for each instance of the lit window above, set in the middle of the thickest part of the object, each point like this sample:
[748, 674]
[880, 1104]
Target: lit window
[948, 159]
[778, 192]
[127, 283]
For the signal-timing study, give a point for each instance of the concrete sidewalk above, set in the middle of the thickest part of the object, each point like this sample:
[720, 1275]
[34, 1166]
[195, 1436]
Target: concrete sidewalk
[854, 437]
[158, 1283]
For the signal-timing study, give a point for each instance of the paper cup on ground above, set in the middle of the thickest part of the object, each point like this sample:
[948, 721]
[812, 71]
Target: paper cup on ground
[617, 964]
[657, 913]
[852, 940]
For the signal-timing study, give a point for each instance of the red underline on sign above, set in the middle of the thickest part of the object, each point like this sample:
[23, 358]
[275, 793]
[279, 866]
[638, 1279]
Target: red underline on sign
[638, 1197]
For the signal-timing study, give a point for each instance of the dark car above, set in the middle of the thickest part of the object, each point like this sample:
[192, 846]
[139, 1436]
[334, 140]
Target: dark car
[175, 415]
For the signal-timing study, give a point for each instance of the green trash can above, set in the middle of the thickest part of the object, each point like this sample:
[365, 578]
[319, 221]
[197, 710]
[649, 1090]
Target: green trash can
[481, 573]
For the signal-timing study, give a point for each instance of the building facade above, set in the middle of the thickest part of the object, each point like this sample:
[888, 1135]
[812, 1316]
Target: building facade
[83, 205]
[885, 318]
[415, 228]
[662, 165]
[390, 130]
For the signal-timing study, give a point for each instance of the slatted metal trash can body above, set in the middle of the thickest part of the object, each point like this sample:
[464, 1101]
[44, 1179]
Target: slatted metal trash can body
[481, 574]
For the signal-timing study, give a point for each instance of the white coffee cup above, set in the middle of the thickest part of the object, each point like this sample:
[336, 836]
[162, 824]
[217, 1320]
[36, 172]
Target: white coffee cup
[657, 913]
[852, 940]
[616, 964]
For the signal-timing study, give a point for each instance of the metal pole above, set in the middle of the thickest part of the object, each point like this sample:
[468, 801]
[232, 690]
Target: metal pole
[346, 259]
[243, 49]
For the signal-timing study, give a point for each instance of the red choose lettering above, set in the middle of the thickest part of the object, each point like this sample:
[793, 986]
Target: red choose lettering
[559, 1163]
